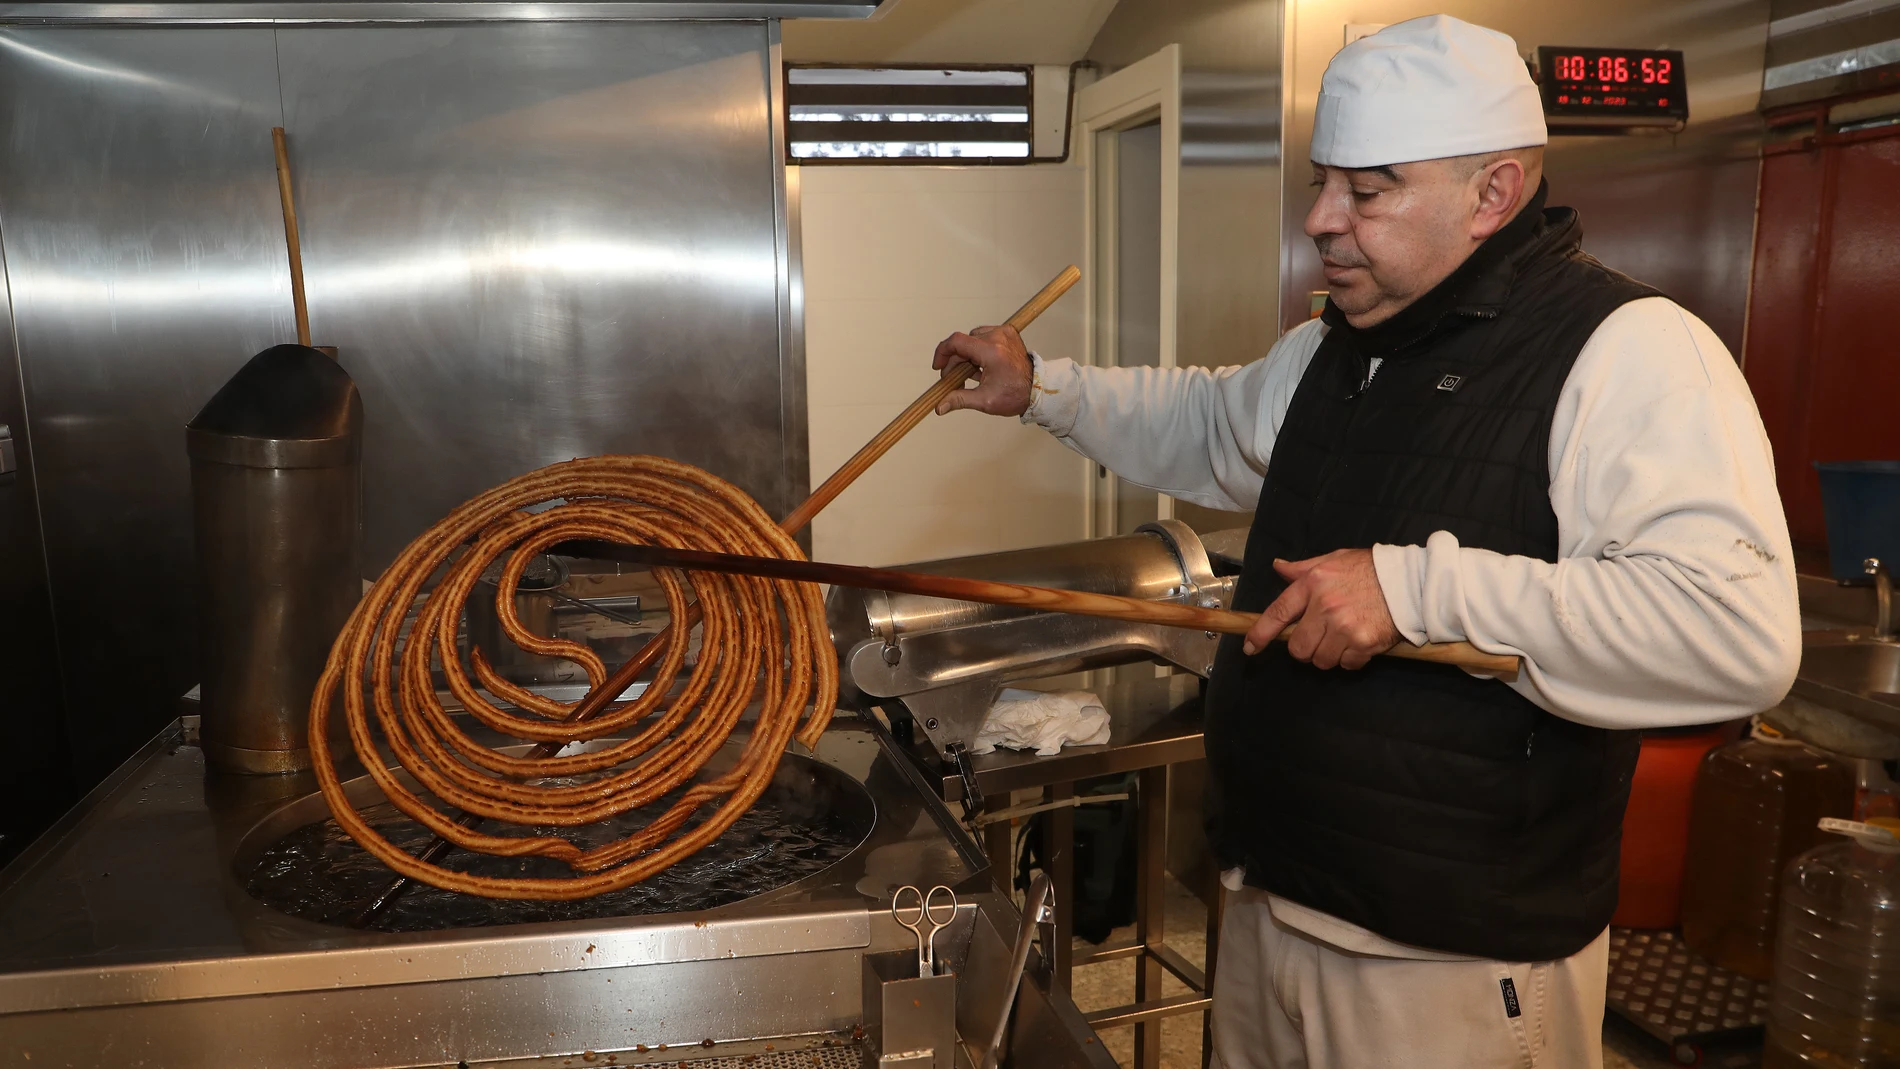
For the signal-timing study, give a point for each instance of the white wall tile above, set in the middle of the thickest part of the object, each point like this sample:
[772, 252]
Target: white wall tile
[895, 259]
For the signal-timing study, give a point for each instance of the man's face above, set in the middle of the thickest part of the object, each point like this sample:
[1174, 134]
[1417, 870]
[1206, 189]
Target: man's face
[1388, 234]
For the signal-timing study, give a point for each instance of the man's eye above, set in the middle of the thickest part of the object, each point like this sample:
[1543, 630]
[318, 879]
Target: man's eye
[1366, 194]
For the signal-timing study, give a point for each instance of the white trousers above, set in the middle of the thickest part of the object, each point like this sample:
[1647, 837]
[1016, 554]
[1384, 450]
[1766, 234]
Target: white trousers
[1285, 1000]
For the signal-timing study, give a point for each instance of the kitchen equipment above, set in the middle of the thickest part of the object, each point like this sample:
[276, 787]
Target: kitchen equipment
[1836, 997]
[910, 1022]
[1861, 502]
[534, 608]
[1038, 922]
[926, 918]
[300, 309]
[1756, 803]
[128, 938]
[1656, 825]
[275, 481]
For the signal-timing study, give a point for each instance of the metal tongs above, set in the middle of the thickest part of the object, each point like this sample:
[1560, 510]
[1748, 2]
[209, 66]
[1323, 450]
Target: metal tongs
[926, 944]
[1038, 912]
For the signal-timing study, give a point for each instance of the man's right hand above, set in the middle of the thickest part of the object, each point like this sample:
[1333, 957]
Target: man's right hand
[998, 352]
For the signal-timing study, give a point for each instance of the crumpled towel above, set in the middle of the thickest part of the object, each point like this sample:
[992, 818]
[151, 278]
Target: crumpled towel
[1033, 720]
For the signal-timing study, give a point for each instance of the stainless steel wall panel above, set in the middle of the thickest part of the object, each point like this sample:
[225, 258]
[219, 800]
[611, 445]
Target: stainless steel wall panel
[146, 263]
[531, 241]
[541, 241]
[224, 12]
[794, 403]
[34, 791]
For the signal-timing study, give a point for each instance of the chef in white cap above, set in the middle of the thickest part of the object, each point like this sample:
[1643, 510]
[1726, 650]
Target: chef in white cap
[1490, 437]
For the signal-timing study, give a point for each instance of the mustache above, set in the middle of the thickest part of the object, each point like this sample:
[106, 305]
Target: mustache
[1333, 252]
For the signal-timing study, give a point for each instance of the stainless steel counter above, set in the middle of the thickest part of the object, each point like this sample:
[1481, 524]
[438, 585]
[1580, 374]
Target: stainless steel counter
[1152, 722]
[1154, 725]
[126, 939]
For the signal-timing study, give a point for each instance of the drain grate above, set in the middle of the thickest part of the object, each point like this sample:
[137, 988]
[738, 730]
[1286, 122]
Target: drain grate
[848, 1057]
[835, 1051]
[1681, 999]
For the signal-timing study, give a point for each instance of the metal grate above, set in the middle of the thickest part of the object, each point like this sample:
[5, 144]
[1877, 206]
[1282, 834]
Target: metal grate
[1663, 989]
[847, 1057]
[801, 1052]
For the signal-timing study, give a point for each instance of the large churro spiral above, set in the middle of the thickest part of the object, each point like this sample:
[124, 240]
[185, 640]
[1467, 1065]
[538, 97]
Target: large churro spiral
[762, 641]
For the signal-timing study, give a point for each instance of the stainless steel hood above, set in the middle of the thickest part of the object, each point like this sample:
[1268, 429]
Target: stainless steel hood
[214, 12]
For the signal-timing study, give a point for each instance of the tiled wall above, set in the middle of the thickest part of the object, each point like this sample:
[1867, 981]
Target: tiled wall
[895, 259]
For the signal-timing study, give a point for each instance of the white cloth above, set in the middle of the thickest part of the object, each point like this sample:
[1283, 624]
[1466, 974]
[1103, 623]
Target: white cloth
[1286, 1000]
[1043, 722]
[1673, 601]
[1424, 89]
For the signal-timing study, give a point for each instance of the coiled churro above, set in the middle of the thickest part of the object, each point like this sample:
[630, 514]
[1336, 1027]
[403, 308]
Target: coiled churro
[761, 640]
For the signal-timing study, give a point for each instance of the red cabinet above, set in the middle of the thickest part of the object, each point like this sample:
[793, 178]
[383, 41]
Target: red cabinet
[1823, 348]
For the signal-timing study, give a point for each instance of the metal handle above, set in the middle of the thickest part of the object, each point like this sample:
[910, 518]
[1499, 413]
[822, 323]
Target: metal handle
[1883, 596]
[7, 464]
[1036, 911]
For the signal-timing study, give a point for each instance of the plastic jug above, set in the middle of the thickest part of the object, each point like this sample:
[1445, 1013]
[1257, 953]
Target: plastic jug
[1757, 801]
[1836, 996]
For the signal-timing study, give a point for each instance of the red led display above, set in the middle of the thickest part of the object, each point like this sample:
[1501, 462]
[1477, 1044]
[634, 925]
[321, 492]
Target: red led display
[1609, 82]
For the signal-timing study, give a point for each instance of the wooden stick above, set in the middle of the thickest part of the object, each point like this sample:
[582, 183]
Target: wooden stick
[631, 670]
[290, 235]
[990, 592]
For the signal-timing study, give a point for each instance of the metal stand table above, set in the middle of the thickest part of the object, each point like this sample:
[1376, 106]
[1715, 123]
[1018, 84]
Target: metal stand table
[1154, 725]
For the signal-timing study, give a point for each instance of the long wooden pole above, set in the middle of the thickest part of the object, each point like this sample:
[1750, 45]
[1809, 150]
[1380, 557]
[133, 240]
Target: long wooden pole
[290, 235]
[991, 592]
[630, 671]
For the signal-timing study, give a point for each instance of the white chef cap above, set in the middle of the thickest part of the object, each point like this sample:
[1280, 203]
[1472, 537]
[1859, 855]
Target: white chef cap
[1425, 89]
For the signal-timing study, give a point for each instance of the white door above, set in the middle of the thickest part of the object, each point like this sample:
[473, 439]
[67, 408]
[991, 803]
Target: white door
[1128, 132]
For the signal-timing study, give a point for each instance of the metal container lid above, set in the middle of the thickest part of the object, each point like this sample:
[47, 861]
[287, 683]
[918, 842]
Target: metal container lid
[290, 406]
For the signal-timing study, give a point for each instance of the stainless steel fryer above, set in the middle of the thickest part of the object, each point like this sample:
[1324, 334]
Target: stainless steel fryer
[946, 661]
[126, 939]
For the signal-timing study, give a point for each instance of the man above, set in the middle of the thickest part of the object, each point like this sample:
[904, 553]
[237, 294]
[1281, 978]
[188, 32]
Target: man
[1487, 436]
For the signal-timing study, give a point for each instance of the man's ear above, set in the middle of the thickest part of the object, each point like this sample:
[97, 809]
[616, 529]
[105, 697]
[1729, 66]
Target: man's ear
[1500, 184]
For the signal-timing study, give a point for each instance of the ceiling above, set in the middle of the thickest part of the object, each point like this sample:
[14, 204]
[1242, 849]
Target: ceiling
[952, 31]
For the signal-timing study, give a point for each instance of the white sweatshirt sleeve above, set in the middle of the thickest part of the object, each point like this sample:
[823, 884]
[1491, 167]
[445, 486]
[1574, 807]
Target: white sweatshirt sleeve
[1673, 599]
[1199, 434]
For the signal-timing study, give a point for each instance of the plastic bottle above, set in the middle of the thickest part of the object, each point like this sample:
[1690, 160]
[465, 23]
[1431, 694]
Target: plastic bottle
[1836, 996]
[1757, 801]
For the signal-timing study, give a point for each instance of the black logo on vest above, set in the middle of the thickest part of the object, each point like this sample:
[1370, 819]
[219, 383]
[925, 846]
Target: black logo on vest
[1511, 1008]
[1450, 383]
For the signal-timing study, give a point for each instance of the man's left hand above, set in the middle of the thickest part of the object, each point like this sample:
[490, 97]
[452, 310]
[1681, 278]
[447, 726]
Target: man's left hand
[1338, 603]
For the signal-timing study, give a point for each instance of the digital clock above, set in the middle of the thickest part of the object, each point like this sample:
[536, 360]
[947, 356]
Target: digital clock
[1631, 86]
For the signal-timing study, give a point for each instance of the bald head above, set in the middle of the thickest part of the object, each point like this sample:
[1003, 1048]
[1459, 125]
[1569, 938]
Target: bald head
[1387, 235]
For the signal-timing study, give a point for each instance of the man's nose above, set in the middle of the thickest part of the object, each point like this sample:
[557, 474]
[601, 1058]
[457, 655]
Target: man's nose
[1328, 215]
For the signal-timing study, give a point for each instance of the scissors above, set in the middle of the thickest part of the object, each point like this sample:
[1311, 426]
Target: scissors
[926, 907]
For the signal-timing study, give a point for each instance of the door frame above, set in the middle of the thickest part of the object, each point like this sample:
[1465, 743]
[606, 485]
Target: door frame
[1149, 89]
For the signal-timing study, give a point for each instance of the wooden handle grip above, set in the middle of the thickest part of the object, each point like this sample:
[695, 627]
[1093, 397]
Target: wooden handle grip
[291, 239]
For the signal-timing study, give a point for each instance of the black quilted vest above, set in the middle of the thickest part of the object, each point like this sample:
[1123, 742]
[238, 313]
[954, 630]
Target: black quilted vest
[1417, 801]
